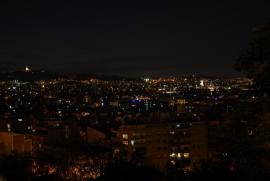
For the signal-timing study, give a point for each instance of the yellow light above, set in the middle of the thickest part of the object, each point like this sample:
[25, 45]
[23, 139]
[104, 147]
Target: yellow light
[186, 155]
[181, 101]
[211, 89]
[172, 155]
[125, 142]
[125, 136]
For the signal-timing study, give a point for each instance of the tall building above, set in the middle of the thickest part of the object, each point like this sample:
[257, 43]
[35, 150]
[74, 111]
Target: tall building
[166, 143]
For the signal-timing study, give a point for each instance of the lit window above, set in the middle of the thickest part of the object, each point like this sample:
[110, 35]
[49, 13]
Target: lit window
[8, 126]
[186, 155]
[178, 155]
[125, 136]
[116, 150]
[250, 132]
[125, 142]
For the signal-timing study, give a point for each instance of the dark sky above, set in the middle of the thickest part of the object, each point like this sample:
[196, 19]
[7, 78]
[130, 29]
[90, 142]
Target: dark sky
[132, 38]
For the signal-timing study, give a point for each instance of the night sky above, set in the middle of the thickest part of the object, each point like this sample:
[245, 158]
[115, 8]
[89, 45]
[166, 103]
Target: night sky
[129, 38]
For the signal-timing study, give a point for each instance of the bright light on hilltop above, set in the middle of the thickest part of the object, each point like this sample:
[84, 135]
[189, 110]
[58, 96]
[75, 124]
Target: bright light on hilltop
[27, 69]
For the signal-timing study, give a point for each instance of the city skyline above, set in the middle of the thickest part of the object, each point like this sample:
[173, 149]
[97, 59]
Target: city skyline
[134, 90]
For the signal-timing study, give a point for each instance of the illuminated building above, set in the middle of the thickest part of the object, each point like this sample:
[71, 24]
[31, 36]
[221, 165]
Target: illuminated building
[162, 143]
[10, 142]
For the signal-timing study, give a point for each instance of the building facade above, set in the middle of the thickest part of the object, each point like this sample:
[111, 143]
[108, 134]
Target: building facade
[162, 143]
[13, 142]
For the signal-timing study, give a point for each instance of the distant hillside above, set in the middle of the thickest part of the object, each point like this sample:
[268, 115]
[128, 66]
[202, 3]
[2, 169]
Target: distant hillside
[29, 75]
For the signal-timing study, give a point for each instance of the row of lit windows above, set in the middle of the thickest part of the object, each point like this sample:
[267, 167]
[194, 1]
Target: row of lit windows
[138, 135]
[180, 155]
[125, 138]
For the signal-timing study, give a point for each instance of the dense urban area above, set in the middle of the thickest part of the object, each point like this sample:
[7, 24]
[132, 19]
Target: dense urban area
[165, 128]
[135, 91]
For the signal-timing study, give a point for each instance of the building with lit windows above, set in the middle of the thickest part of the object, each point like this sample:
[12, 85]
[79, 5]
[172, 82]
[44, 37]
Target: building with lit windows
[163, 143]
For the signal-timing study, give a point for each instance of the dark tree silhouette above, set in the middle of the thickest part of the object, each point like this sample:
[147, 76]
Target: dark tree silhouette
[122, 171]
[254, 61]
[14, 167]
